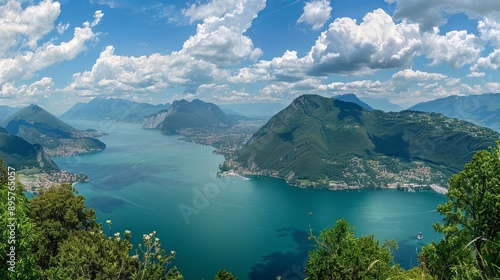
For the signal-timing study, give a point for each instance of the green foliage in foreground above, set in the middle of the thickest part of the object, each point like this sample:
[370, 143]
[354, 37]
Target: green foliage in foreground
[340, 255]
[58, 214]
[224, 275]
[57, 237]
[17, 231]
[470, 248]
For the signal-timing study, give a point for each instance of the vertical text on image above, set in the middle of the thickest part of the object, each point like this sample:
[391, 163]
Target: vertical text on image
[11, 219]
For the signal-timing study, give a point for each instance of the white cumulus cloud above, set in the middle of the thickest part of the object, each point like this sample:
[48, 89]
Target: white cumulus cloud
[403, 79]
[492, 61]
[23, 65]
[113, 73]
[215, 8]
[456, 48]
[24, 27]
[27, 93]
[489, 28]
[375, 43]
[219, 42]
[432, 13]
[316, 13]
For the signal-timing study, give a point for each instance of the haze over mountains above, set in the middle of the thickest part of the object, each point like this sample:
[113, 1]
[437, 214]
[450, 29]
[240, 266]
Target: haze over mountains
[37, 126]
[481, 109]
[318, 138]
[253, 110]
[114, 109]
[370, 103]
[381, 104]
[6, 111]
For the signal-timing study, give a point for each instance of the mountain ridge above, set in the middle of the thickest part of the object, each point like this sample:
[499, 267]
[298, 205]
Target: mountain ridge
[183, 114]
[482, 109]
[324, 139]
[112, 108]
[37, 126]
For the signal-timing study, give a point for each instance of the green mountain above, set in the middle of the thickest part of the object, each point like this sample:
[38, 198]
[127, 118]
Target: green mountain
[19, 154]
[184, 115]
[38, 126]
[481, 109]
[112, 108]
[339, 143]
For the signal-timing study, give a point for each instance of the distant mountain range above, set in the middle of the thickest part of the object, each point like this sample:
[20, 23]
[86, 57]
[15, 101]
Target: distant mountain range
[19, 154]
[188, 115]
[37, 126]
[325, 139]
[481, 109]
[6, 111]
[113, 109]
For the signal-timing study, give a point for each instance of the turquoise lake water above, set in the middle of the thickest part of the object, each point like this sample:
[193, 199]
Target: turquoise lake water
[256, 229]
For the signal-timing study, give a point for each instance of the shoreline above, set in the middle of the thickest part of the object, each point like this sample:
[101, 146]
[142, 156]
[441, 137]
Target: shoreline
[411, 189]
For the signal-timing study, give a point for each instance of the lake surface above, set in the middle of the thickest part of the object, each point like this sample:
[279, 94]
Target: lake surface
[256, 229]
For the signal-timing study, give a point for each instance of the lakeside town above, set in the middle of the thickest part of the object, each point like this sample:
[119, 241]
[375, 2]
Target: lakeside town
[360, 174]
[34, 179]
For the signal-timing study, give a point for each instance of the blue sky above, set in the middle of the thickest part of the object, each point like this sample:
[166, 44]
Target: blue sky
[246, 51]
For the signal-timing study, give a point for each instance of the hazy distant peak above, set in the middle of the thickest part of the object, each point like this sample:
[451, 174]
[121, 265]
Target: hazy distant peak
[481, 109]
[34, 107]
[351, 97]
[101, 108]
[381, 104]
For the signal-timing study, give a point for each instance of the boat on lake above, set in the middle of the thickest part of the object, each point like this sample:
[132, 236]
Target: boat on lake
[420, 235]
